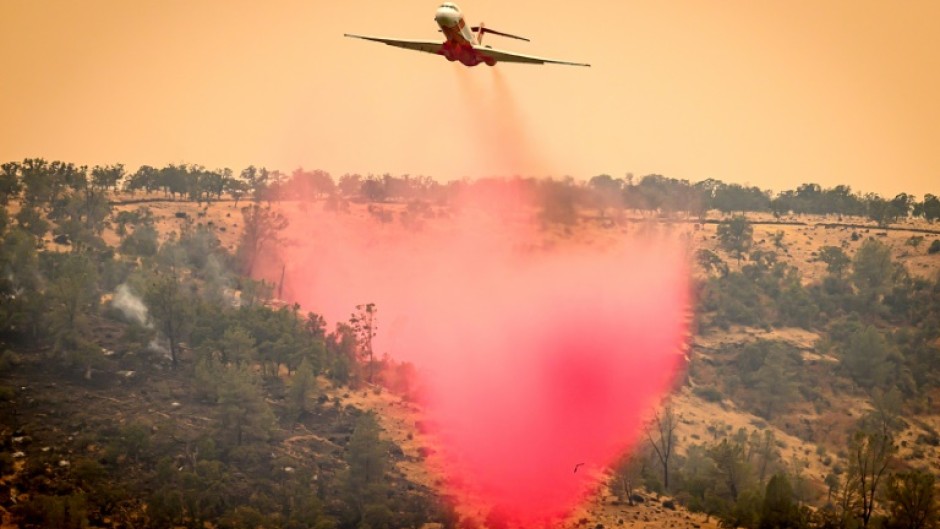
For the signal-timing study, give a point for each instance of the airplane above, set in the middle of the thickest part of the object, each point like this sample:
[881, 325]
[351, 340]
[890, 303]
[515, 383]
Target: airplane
[461, 44]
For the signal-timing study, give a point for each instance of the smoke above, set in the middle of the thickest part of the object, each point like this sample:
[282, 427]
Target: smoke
[536, 353]
[130, 305]
[502, 140]
[134, 309]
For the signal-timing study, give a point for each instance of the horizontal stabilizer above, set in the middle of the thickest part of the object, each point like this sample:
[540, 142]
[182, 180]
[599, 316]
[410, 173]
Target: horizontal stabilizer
[485, 29]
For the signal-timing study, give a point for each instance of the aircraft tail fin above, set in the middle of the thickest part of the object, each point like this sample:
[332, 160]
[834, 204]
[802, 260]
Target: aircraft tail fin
[481, 29]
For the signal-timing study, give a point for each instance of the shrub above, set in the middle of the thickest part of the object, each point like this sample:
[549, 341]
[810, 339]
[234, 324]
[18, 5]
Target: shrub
[8, 360]
[915, 240]
[934, 247]
[708, 393]
[6, 463]
[930, 438]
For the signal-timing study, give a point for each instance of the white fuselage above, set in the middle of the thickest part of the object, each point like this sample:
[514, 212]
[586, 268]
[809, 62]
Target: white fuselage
[452, 23]
[460, 38]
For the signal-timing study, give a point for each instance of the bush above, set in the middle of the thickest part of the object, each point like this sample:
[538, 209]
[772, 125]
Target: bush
[930, 438]
[142, 242]
[934, 247]
[8, 360]
[6, 463]
[708, 393]
[66, 512]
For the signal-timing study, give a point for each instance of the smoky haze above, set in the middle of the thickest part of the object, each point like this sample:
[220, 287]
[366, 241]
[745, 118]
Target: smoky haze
[536, 353]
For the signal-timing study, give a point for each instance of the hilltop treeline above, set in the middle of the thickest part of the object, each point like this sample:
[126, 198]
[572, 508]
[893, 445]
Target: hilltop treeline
[43, 181]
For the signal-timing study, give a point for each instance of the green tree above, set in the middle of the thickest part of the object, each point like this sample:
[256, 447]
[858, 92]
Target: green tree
[364, 483]
[736, 236]
[21, 303]
[10, 185]
[880, 210]
[912, 501]
[775, 387]
[261, 226]
[872, 270]
[732, 469]
[836, 261]
[238, 347]
[31, 220]
[628, 475]
[373, 189]
[709, 261]
[929, 208]
[39, 184]
[71, 298]
[795, 306]
[256, 180]
[302, 384]
[349, 184]
[865, 357]
[762, 452]
[364, 324]
[146, 178]
[61, 512]
[171, 309]
[832, 485]
[608, 193]
[107, 177]
[143, 241]
[779, 510]
[901, 205]
[559, 202]
[244, 412]
[236, 188]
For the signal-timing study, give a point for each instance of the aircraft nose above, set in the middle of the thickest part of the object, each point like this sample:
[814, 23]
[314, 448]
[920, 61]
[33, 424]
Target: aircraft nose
[446, 18]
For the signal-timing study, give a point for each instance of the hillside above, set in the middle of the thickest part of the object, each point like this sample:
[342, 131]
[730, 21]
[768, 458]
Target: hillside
[147, 381]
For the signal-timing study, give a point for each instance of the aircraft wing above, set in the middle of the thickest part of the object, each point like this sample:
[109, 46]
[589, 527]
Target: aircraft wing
[428, 46]
[508, 56]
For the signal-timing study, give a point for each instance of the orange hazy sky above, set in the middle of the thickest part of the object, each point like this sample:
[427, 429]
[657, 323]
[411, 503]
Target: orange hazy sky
[770, 93]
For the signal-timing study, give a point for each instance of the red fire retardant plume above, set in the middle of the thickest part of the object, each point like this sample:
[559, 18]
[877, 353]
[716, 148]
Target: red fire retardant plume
[535, 358]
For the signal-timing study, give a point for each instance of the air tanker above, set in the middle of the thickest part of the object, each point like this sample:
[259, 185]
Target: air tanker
[464, 43]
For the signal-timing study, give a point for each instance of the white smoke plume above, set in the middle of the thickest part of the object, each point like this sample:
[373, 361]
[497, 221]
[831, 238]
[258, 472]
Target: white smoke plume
[131, 305]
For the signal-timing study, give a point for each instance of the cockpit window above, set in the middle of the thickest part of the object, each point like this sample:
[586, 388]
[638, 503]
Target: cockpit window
[448, 5]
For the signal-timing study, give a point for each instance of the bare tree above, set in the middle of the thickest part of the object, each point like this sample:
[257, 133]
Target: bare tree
[664, 423]
[871, 453]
